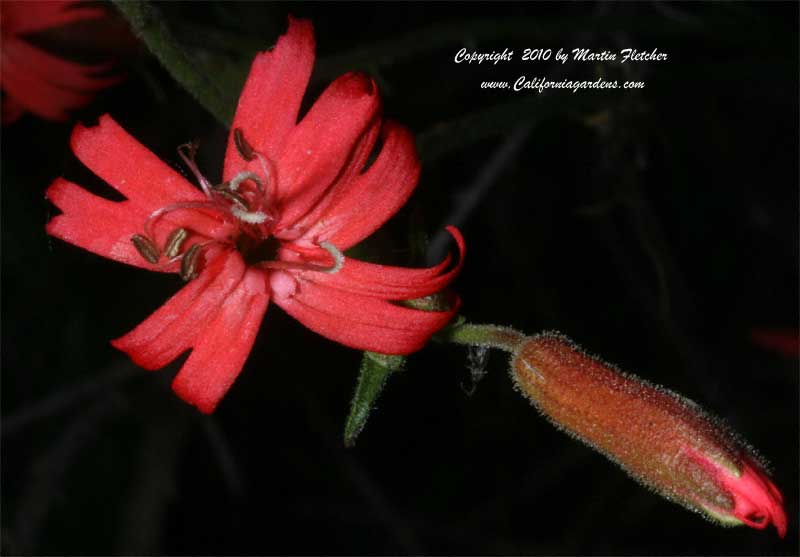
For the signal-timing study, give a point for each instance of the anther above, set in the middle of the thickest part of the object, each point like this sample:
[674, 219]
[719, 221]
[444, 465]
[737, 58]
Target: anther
[174, 242]
[146, 248]
[247, 152]
[244, 148]
[189, 263]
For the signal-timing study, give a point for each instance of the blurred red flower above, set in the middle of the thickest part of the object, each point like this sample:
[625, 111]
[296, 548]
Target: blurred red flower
[294, 196]
[785, 342]
[37, 81]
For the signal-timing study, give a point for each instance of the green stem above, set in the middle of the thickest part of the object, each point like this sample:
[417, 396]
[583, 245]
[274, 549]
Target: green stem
[149, 25]
[492, 336]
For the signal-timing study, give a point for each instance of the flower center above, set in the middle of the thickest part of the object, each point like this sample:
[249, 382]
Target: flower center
[244, 203]
[255, 251]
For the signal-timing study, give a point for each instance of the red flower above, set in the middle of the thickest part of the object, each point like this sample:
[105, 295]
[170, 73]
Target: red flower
[294, 196]
[34, 80]
[661, 439]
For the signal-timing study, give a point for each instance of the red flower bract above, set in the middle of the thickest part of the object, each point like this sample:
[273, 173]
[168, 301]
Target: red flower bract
[34, 80]
[294, 196]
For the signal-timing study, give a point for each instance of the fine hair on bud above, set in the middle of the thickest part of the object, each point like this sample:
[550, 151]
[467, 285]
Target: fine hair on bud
[662, 439]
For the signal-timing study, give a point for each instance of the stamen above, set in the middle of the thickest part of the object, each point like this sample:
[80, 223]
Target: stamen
[266, 167]
[188, 160]
[247, 152]
[189, 263]
[175, 242]
[338, 257]
[244, 148]
[146, 248]
[255, 217]
[338, 262]
[292, 234]
[235, 197]
[158, 213]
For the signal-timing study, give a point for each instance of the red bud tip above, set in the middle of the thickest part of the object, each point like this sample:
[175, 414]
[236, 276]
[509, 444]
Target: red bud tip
[663, 440]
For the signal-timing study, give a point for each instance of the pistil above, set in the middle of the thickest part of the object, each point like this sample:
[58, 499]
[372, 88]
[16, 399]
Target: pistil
[188, 159]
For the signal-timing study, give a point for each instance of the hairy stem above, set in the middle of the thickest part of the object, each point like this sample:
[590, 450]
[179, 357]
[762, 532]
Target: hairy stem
[492, 336]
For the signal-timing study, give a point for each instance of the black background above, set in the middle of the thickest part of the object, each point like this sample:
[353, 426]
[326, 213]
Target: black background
[657, 228]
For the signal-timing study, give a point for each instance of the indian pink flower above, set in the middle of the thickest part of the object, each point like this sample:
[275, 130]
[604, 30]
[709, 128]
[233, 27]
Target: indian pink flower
[34, 80]
[294, 197]
[661, 439]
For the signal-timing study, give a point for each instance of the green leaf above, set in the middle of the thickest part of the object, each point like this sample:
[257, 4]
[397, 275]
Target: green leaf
[150, 26]
[375, 371]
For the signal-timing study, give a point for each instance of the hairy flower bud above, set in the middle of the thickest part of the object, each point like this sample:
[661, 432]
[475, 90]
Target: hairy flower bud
[663, 440]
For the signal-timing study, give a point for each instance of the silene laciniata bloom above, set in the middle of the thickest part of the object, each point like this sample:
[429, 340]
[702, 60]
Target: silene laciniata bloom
[294, 196]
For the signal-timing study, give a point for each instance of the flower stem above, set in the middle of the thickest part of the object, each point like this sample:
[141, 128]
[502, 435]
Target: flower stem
[148, 23]
[492, 336]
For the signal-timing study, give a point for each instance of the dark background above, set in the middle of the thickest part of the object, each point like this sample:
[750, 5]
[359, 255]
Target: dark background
[657, 228]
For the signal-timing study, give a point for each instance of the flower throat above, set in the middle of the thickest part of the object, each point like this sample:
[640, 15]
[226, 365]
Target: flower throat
[244, 202]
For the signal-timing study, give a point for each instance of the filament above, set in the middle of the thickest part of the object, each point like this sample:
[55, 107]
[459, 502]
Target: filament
[158, 213]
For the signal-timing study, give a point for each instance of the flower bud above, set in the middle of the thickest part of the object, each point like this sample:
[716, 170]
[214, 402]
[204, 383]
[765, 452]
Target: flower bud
[663, 440]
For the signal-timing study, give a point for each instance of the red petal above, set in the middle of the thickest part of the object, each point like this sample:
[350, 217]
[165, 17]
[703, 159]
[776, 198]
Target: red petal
[96, 224]
[391, 283]
[37, 95]
[755, 496]
[119, 159]
[24, 16]
[319, 148]
[360, 154]
[223, 347]
[105, 227]
[353, 168]
[58, 71]
[175, 326]
[270, 100]
[373, 197]
[357, 321]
